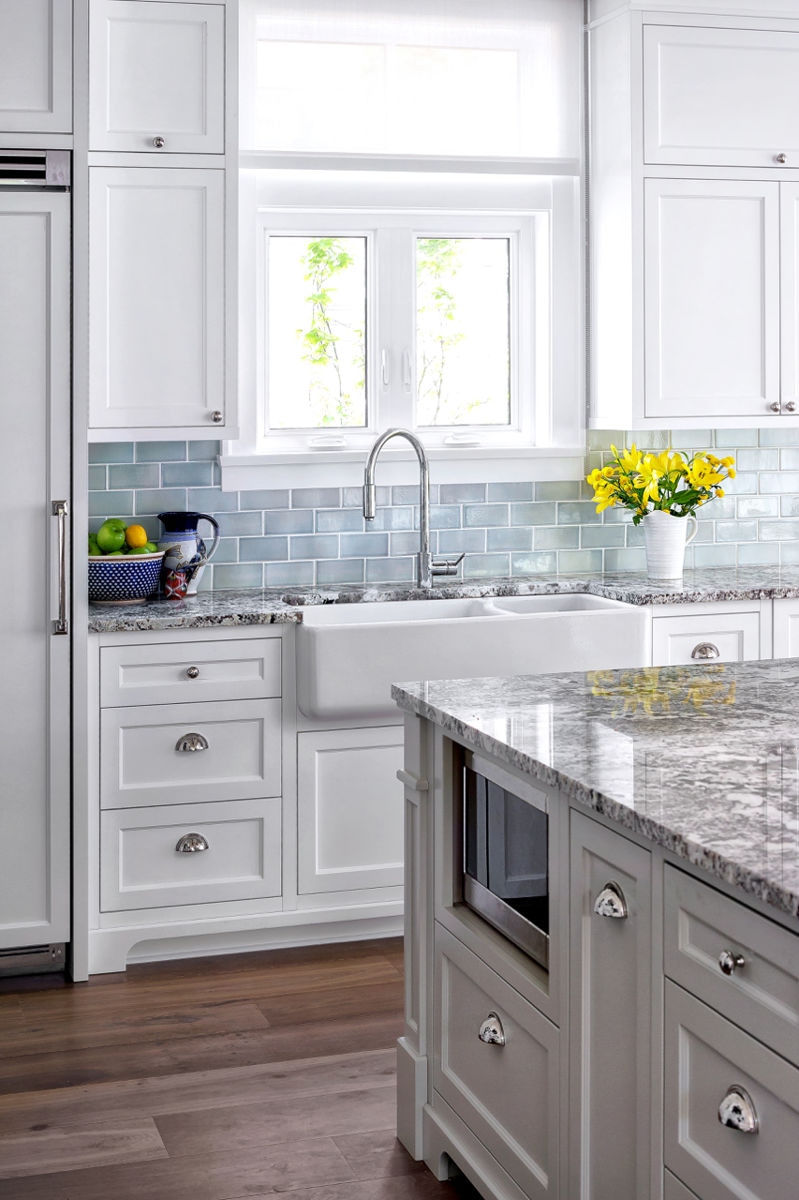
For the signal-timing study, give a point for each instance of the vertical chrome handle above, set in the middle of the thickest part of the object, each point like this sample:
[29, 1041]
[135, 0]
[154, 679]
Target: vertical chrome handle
[385, 368]
[60, 509]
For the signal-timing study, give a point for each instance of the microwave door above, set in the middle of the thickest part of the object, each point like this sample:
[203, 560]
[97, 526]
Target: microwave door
[517, 846]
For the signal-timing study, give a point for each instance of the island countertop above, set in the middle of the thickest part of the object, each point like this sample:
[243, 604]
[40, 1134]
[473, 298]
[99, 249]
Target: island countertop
[700, 760]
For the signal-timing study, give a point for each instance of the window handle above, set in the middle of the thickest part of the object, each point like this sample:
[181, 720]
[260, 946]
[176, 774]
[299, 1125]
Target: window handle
[406, 369]
[385, 367]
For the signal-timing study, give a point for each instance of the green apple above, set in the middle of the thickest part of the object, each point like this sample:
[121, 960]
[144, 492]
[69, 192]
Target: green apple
[111, 536]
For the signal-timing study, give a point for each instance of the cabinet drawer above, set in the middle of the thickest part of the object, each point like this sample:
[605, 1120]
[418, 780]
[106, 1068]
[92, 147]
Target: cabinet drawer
[762, 994]
[720, 637]
[705, 1058]
[142, 866]
[507, 1094]
[142, 763]
[189, 671]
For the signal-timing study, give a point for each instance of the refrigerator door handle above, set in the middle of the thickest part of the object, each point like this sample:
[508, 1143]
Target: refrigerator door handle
[60, 509]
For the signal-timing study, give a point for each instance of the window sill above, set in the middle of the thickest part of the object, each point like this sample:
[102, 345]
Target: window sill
[344, 468]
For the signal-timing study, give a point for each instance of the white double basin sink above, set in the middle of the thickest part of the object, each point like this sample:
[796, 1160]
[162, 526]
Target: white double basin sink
[348, 655]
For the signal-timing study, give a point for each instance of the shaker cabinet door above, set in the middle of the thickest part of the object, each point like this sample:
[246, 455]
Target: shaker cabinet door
[36, 66]
[711, 299]
[157, 77]
[157, 309]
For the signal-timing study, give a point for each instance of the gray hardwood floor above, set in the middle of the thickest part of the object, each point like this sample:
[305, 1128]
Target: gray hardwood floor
[214, 1079]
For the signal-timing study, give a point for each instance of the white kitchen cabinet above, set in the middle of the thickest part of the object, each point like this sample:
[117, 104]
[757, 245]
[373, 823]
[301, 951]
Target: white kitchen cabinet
[349, 809]
[721, 96]
[158, 299]
[36, 66]
[720, 631]
[610, 1024]
[157, 76]
[786, 628]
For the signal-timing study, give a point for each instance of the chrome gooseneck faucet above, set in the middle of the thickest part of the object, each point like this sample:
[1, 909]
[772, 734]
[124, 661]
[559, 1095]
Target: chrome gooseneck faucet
[426, 565]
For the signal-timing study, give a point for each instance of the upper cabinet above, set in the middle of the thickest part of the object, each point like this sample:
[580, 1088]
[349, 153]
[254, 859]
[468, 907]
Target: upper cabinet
[694, 219]
[157, 77]
[721, 97]
[36, 66]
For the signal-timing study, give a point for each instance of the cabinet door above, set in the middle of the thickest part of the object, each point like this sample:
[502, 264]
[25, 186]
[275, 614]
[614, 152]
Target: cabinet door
[786, 628]
[157, 76]
[36, 66]
[34, 683]
[156, 274]
[350, 809]
[610, 1032]
[711, 299]
[720, 97]
[789, 297]
[697, 638]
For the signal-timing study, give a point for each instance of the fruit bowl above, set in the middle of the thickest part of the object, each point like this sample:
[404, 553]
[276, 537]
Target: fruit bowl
[124, 578]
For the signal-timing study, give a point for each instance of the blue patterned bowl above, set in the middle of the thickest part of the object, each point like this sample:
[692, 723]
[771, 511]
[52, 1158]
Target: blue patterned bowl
[124, 579]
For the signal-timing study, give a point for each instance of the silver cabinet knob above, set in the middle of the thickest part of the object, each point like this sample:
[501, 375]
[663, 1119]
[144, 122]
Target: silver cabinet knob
[491, 1031]
[790, 406]
[611, 902]
[192, 672]
[729, 962]
[191, 843]
[217, 416]
[781, 158]
[705, 650]
[191, 743]
[737, 1110]
[159, 142]
[775, 406]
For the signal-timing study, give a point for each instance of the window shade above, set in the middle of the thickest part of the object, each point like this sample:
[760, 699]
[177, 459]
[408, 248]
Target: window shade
[483, 78]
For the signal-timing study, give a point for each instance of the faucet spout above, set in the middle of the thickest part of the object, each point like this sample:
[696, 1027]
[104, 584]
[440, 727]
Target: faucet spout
[426, 566]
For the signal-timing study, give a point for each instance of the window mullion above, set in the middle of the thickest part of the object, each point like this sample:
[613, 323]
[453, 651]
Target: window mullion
[395, 279]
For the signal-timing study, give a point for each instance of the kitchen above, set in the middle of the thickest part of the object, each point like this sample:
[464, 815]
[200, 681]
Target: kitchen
[317, 864]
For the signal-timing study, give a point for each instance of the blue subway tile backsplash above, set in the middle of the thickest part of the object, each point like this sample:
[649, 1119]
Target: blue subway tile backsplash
[317, 536]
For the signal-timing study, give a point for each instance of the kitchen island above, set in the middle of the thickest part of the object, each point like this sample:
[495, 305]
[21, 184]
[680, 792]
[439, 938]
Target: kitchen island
[656, 1053]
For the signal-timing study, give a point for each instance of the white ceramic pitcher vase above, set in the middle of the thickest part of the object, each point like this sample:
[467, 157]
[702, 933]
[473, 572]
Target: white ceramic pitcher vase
[665, 538]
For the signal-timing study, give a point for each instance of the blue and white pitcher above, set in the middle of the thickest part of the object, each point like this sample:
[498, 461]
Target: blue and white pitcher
[184, 546]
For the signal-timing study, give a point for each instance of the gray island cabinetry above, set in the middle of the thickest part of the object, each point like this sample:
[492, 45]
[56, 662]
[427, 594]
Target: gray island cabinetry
[652, 1048]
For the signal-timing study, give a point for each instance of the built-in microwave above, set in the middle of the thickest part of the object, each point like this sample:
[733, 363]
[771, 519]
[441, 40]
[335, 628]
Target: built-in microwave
[505, 857]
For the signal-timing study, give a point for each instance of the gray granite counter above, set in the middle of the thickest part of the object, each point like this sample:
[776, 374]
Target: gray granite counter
[701, 760]
[259, 607]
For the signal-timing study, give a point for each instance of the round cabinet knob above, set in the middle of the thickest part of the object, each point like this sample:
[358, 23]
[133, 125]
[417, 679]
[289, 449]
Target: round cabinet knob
[192, 672]
[217, 416]
[790, 406]
[737, 1110]
[191, 743]
[729, 962]
[611, 902]
[491, 1031]
[705, 650]
[159, 142]
[191, 843]
[780, 158]
[775, 406]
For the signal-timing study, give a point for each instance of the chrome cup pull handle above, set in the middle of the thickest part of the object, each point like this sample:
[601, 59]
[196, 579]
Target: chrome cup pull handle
[737, 1111]
[491, 1031]
[611, 902]
[191, 843]
[60, 509]
[191, 743]
[705, 650]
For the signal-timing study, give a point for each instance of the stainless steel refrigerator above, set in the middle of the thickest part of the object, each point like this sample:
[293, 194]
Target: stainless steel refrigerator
[35, 491]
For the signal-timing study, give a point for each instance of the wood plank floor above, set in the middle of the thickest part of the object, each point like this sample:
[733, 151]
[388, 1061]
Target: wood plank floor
[213, 1079]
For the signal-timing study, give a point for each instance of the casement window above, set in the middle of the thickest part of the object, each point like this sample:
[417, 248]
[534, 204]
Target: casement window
[410, 227]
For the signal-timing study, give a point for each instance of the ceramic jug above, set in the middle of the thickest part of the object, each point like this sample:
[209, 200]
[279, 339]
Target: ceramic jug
[184, 546]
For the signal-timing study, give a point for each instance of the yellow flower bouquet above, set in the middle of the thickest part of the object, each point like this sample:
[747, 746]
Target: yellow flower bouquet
[669, 482]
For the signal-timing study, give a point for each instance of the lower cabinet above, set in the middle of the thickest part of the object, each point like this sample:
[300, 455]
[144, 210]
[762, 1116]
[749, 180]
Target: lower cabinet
[728, 631]
[610, 1018]
[497, 1066]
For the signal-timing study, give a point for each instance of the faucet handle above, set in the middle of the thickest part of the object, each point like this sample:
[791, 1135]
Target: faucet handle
[446, 566]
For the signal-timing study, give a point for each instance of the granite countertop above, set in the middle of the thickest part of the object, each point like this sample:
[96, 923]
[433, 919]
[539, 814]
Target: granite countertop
[256, 606]
[701, 760]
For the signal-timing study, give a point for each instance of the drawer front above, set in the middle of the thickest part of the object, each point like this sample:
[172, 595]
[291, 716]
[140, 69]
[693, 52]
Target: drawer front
[706, 1058]
[724, 637]
[761, 994]
[236, 855]
[189, 671]
[508, 1095]
[142, 763]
